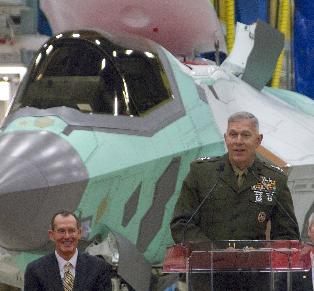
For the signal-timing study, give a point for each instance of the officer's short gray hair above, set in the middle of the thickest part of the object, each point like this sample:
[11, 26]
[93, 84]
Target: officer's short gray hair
[311, 220]
[244, 115]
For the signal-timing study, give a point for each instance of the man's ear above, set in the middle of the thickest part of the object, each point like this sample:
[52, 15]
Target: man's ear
[50, 234]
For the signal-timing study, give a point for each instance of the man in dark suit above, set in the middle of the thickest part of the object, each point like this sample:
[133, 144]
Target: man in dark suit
[67, 268]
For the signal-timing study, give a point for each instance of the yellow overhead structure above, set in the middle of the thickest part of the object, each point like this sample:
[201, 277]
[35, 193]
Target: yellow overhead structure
[226, 12]
[220, 6]
[284, 27]
[230, 21]
[273, 13]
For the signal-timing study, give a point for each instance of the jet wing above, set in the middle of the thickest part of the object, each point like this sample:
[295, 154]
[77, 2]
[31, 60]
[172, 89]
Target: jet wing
[255, 53]
[288, 132]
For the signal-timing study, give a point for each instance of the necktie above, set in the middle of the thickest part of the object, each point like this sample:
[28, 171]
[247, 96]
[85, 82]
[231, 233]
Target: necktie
[241, 177]
[68, 279]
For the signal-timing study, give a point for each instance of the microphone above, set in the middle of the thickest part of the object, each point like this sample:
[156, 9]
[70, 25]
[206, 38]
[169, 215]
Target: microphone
[220, 169]
[276, 200]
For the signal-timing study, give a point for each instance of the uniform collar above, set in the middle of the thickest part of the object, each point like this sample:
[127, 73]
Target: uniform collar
[229, 176]
[238, 172]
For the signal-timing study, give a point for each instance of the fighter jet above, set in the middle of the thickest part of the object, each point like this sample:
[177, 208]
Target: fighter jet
[106, 124]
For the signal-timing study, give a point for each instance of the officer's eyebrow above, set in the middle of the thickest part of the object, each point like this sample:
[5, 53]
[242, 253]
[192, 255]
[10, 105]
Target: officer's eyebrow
[233, 130]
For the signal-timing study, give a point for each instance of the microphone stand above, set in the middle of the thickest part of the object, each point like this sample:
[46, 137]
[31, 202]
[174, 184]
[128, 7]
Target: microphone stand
[220, 169]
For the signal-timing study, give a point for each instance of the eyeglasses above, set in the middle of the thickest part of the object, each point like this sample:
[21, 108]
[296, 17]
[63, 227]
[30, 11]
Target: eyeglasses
[69, 231]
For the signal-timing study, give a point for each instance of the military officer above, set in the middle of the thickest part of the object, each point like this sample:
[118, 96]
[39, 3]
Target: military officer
[245, 194]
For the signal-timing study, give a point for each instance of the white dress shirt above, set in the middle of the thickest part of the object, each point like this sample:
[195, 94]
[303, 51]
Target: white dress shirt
[62, 262]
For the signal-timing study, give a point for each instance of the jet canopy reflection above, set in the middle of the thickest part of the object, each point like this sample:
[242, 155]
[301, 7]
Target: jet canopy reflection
[95, 74]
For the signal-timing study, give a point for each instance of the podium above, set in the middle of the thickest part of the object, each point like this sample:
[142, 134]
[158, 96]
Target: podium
[240, 256]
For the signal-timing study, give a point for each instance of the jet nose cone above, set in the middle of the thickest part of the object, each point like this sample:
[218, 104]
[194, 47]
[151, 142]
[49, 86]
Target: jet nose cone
[40, 173]
[17, 175]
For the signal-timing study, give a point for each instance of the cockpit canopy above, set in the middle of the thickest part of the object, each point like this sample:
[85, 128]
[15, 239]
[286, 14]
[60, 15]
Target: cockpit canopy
[93, 74]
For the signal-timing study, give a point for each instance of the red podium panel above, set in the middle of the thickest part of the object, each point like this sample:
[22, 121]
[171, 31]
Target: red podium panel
[235, 256]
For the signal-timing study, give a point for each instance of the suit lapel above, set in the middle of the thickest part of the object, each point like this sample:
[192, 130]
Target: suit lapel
[228, 175]
[249, 182]
[80, 273]
[252, 179]
[53, 272]
[230, 178]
